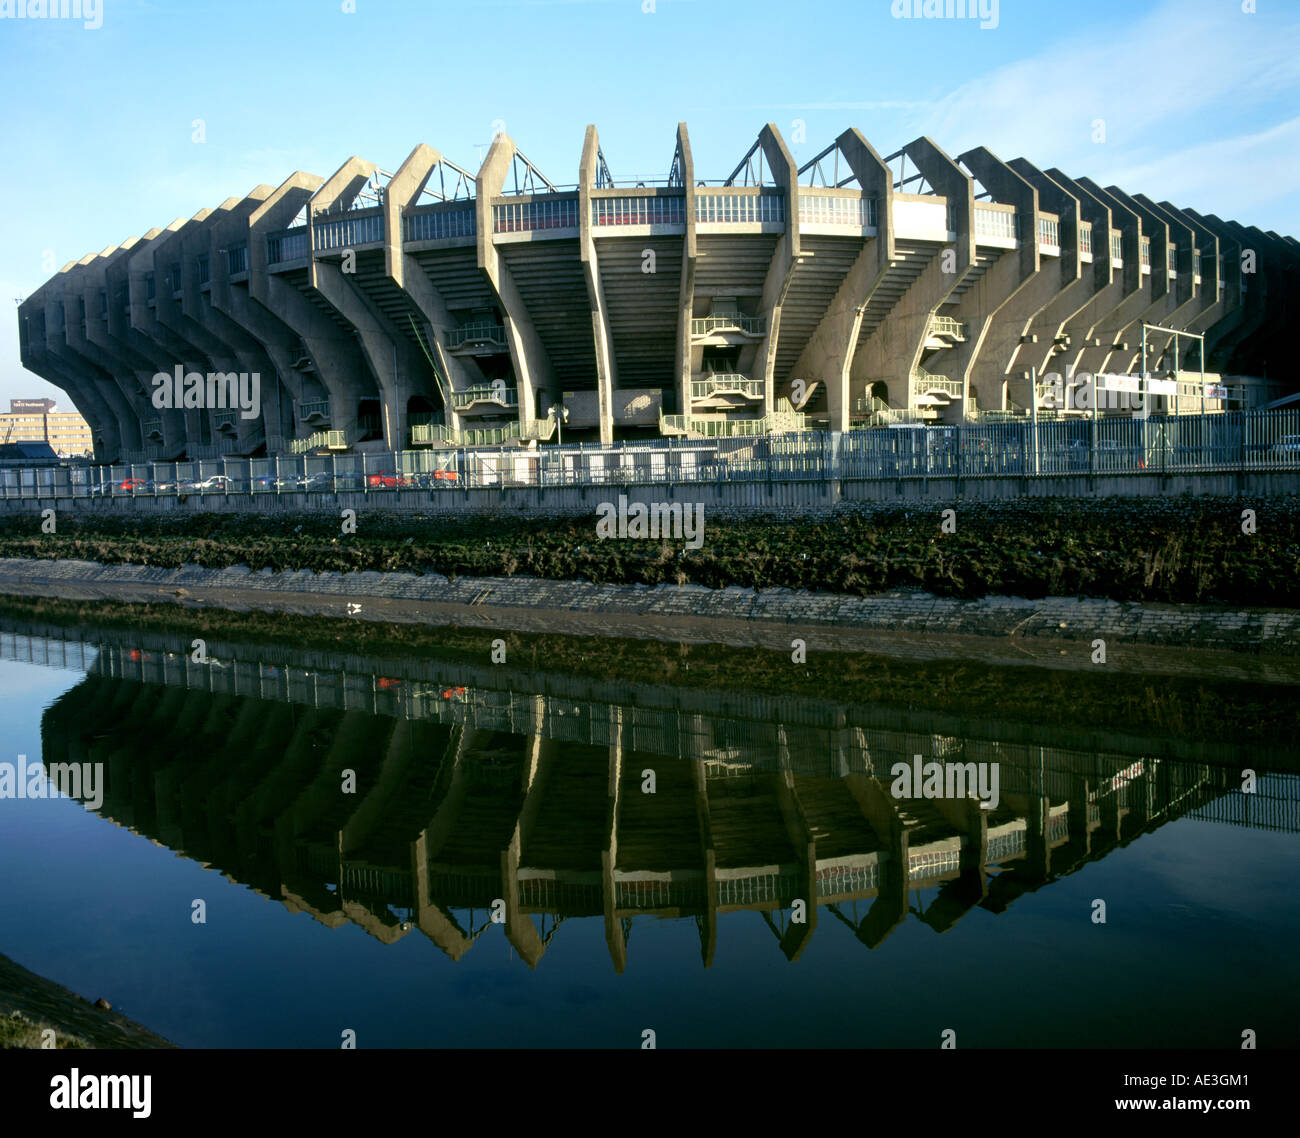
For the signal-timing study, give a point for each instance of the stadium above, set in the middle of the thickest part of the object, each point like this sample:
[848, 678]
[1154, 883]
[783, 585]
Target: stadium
[435, 308]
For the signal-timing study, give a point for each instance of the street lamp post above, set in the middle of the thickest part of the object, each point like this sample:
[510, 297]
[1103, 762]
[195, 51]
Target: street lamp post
[560, 414]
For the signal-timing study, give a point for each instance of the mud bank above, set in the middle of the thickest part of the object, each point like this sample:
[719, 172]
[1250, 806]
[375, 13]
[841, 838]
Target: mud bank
[1049, 631]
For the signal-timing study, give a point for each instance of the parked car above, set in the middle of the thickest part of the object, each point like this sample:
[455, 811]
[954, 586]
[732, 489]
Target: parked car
[322, 480]
[214, 483]
[390, 480]
[349, 480]
[123, 486]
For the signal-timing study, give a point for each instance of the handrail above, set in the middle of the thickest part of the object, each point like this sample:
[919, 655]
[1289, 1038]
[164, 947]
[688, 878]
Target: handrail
[485, 330]
[749, 325]
[728, 383]
[486, 393]
[923, 383]
[948, 326]
[332, 439]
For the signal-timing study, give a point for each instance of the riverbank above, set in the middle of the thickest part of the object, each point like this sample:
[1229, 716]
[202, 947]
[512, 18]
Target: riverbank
[31, 1004]
[1059, 633]
[1239, 710]
[1176, 551]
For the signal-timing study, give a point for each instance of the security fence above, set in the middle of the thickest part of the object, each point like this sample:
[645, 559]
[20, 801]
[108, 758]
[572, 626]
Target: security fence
[1235, 441]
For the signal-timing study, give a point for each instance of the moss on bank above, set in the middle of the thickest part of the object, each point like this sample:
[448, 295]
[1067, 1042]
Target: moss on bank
[1178, 550]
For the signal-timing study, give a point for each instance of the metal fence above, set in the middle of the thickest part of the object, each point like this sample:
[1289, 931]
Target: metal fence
[1235, 441]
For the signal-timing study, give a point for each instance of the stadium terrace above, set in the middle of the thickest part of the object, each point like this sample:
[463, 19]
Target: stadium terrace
[438, 307]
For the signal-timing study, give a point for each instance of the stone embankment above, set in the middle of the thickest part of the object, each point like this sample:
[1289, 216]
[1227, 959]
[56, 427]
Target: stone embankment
[915, 624]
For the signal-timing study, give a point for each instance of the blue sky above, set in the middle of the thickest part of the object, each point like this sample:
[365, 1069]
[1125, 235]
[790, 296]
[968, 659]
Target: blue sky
[1200, 100]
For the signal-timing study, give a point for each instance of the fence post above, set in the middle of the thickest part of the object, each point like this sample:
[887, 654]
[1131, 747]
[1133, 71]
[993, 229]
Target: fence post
[1092, 437]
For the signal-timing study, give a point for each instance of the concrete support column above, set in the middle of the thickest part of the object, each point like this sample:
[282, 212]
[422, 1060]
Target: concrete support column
[894, 351]
[686, 294]
[829, 351]
[343, 369]
[606, 378]
[404, 192]
[785, 258]
[881, 813]
[1105, 337]
[1009, 277]
[533, 370]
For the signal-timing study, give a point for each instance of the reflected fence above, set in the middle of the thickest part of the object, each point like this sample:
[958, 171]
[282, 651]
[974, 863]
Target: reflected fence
[1224, 442]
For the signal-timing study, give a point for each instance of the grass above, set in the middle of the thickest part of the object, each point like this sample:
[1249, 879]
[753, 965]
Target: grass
[19, 1032]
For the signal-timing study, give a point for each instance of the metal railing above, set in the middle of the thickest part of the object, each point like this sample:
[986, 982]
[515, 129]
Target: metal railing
[948, 326]
[1049, 230]
[348, 232]
[735, 451]
[523, 217]
[872, 411]
[499, 394]
[439, 224]
[319, 439]
[311, 407]
[721, 208]
[784, 420]
[1116, 245]
[480, 330]
[440, 434]
[750, 325]
[923, 383]
[237, 259]
[726, 383]
[859, 211]
[1146, 252]
[997, 223]
[638, 210]
[1085, 237]
[288, 245]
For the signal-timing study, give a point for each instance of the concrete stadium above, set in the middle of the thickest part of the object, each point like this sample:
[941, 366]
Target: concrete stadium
[433, 307]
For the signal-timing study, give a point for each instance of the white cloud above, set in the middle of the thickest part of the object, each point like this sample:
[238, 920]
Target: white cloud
[1237, 175]
[1161, 86]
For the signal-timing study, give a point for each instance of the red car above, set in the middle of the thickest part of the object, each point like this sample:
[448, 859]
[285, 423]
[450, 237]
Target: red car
[389, 480]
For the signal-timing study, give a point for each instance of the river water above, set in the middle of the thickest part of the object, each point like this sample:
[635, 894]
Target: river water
[283, 847]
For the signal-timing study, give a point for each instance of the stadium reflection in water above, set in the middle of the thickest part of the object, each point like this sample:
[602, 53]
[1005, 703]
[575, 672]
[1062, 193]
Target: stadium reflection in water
[413, 805]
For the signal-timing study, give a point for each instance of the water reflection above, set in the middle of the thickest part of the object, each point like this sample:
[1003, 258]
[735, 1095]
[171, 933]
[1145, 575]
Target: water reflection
[409, 800]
